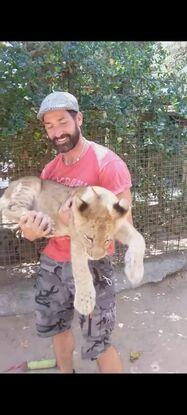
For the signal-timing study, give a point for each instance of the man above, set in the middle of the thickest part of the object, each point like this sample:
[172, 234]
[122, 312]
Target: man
[78, 162]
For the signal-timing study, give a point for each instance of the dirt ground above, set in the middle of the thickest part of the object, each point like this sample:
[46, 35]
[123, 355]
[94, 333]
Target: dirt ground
[151, 320]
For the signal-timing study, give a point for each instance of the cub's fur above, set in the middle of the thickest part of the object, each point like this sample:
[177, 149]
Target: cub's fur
[97, 217]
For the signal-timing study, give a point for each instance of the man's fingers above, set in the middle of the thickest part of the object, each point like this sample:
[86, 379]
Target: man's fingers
[29, 216]
[37, 221]
[45, 223]
[47, 230]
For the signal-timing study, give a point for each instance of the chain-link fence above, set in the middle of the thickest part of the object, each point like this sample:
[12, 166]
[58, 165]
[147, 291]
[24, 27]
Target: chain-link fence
[159, 191]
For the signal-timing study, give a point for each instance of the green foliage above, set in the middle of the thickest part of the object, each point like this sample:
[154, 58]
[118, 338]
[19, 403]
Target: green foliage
[124, 90]
[115, 82]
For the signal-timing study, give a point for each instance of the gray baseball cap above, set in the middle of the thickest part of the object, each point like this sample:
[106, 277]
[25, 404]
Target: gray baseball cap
[56, 101]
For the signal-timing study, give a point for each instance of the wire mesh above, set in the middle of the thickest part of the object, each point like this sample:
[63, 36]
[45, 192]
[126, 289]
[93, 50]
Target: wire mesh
[159, 194]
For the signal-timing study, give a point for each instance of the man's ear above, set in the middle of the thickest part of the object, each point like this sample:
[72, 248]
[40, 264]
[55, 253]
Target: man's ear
[79, 118]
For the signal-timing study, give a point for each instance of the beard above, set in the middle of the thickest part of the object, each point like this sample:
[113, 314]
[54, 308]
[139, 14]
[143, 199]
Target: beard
[70, 141]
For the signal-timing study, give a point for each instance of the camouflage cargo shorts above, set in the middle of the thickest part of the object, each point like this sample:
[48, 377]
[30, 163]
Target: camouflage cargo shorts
[54, 296]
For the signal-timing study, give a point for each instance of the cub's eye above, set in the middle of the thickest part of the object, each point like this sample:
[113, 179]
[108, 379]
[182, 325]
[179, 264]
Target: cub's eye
[88, 238]
[107, 241]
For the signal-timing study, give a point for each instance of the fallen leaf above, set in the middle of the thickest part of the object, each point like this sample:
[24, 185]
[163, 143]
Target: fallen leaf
[134, 356]
[24, 343]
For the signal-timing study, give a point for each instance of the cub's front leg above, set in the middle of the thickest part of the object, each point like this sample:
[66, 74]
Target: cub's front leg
[84, 289]
[134, 267]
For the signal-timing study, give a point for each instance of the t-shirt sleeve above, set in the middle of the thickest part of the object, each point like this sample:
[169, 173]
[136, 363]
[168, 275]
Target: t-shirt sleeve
[46, 172]
[43, 174]
[49, 168]
[115, 176]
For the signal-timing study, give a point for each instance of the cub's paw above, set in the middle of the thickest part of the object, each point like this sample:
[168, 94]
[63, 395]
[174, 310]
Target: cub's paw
[134, 267]
[85, 301]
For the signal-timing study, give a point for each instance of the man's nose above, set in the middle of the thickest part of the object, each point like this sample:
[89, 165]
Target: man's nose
[57, 132]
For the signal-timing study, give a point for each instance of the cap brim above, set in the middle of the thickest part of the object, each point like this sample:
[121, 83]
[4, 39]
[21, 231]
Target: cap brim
[41, 114]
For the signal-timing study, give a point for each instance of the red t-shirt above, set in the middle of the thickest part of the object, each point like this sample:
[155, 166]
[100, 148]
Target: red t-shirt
[99, 166]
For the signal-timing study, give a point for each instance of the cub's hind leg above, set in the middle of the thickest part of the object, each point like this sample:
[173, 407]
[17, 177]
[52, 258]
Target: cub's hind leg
[13, 213]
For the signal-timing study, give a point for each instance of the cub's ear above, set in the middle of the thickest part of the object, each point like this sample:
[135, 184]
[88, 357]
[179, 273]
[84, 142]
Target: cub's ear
[84, 198]
[121, 207]
[81, 204]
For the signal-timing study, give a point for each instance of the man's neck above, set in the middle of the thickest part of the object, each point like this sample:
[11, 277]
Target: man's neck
[73, 155]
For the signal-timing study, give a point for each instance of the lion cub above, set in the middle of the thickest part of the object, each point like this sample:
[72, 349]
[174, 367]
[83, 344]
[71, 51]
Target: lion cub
[97, 218]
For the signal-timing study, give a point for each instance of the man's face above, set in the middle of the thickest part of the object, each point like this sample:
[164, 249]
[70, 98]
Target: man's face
[62, 129]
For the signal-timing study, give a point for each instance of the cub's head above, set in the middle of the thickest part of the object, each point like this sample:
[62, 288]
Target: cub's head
[97, 214]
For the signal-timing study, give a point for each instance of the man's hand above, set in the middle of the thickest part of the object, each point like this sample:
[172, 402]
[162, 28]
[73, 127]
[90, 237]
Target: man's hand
[35, 225]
